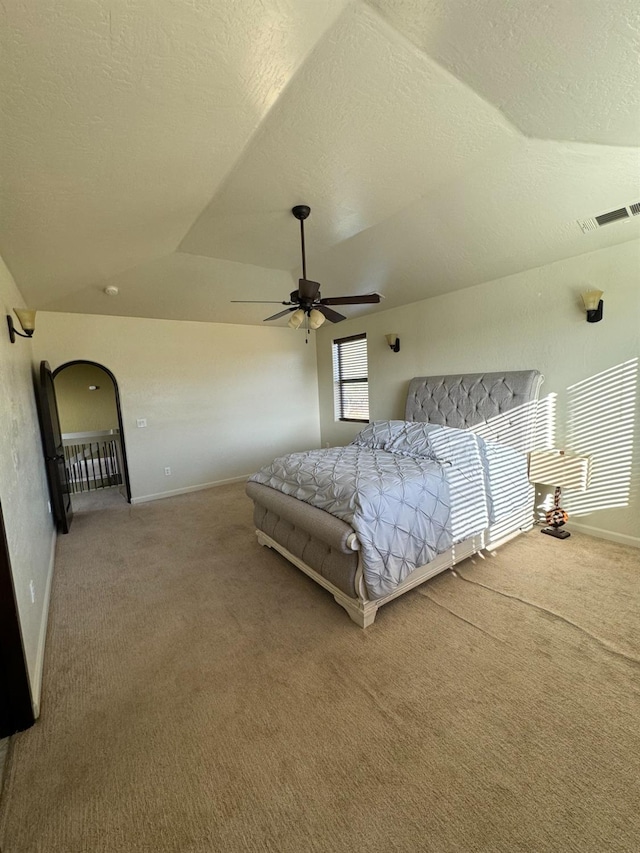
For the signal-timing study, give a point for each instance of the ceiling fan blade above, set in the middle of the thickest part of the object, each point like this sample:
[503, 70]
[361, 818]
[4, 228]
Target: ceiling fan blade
[308, 289]
[279, 314]
[330, 314]
[368, 298]
[261, 301]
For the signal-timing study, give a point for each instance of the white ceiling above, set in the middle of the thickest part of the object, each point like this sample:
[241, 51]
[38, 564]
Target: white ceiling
[159, 146]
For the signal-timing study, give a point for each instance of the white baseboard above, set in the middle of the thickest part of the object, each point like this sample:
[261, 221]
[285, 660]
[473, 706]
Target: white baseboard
[621, 538]
[159, 495]
[36, 685]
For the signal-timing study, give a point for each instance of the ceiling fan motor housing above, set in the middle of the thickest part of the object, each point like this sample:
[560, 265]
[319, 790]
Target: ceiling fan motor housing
[308, 291]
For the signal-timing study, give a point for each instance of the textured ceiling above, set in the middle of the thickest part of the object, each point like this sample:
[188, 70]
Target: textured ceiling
[159, 146]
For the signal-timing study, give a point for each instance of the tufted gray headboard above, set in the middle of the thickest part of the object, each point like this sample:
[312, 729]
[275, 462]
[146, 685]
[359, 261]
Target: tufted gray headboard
[469, 399]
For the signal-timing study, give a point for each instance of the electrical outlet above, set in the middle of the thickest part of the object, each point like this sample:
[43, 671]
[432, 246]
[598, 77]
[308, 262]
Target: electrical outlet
[141, 422]
[167, 471]
[32, 590]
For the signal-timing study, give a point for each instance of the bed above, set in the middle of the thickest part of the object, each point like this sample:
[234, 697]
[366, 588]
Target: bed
[406, 499]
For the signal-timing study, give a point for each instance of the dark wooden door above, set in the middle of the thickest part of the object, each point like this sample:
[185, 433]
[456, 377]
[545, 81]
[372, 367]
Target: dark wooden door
[53, 450]
[16, 711]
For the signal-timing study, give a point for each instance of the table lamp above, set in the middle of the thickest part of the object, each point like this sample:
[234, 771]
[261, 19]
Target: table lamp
[559, 468]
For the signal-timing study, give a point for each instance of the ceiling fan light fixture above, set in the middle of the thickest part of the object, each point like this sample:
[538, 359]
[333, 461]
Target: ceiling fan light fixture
[316, 319]
[295, 320]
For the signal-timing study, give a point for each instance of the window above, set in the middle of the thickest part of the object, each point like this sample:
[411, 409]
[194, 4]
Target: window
[350, 379]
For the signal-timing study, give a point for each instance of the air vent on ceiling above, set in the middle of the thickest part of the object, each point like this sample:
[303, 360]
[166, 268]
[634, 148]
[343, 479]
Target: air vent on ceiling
[612, 216]
[587, 224]
[618, 215]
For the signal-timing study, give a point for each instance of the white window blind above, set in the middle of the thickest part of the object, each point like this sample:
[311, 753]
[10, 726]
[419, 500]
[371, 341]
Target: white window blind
[351, 379]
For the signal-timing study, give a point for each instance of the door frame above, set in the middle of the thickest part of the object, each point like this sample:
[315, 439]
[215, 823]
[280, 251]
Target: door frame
[16, 706]
[125, 464]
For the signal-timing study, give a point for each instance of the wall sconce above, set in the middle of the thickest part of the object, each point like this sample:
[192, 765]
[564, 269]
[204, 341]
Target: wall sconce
[27, 319]
[593, 303]
[394, 342]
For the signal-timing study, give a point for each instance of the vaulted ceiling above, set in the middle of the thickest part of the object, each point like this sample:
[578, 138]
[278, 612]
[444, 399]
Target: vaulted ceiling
[159, 145]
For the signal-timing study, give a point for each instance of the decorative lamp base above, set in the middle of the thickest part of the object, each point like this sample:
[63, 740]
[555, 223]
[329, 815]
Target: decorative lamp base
[556, 517]
[557, 532]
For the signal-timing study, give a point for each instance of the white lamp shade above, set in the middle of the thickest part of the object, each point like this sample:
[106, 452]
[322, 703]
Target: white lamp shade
[591, 299]
[27, 318]
[316, 319]
[295, 320]
[558, 468]
[392, 338]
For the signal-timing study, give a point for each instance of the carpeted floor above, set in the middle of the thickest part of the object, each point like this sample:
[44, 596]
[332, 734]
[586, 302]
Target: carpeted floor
[202, 695]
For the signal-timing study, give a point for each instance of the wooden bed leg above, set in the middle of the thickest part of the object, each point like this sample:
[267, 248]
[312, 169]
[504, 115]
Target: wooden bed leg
[262, 540]
[363, 613]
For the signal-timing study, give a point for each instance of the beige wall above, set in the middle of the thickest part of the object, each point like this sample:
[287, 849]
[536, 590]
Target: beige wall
[531, 320]
[80, 409]
[23, 487]
[219, 400]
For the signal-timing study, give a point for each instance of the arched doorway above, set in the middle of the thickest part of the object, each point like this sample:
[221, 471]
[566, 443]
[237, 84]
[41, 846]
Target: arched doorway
[91, 423]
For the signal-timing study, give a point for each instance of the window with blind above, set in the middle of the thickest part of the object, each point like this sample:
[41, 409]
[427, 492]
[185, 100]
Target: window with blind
[351, 379]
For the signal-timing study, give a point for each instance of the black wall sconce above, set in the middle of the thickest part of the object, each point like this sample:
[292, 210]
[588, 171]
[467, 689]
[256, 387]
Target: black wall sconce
[394, 342]
[27, 319]
[593, 303]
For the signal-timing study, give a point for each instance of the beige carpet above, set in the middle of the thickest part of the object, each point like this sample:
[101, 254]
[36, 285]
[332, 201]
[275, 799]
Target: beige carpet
[202, 695]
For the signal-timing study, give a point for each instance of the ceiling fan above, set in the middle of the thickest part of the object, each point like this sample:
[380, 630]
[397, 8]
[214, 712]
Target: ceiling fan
[306, 301]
